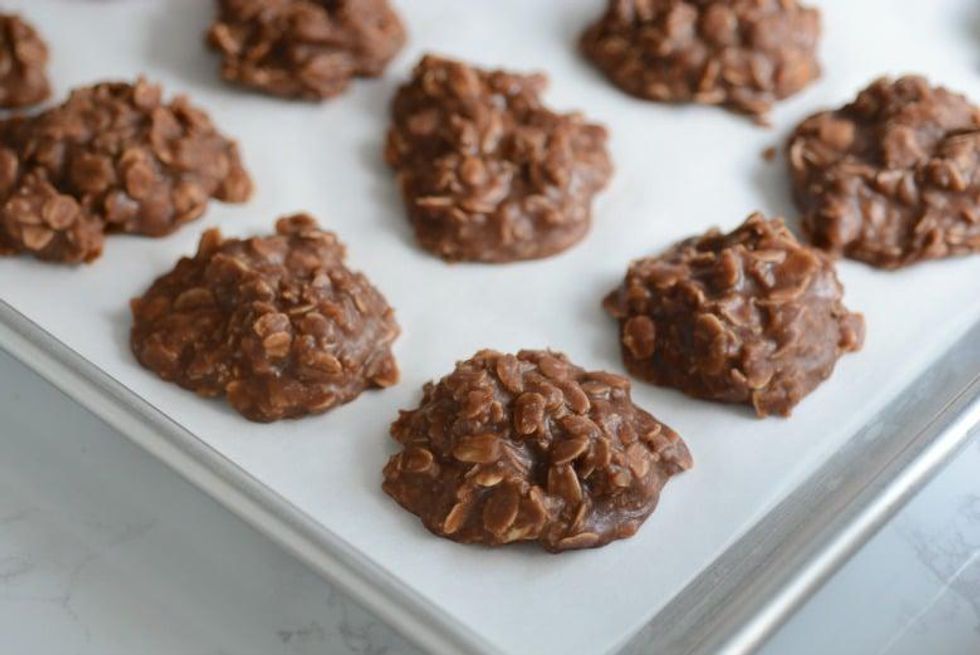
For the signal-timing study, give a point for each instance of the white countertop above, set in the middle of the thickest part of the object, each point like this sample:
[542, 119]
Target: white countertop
[104, 551]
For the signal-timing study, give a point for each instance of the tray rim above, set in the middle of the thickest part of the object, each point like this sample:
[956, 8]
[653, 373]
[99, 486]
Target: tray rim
[868, 484]
[737, 602]
[230, 485]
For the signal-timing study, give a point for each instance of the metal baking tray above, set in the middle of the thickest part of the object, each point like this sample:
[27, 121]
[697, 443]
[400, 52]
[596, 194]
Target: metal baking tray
[771, 508]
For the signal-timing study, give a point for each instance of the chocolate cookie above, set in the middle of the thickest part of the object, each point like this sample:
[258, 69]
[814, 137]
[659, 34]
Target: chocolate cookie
[531, 448]
[747, 317]
[307, 49]
[277, 324]
[38, 219]
[113, 158]
[742, 54]
[892, 178]
[488, 173]
[23, 59]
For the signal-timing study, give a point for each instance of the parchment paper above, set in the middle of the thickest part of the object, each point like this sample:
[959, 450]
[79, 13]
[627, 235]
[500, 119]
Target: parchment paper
[679, 171]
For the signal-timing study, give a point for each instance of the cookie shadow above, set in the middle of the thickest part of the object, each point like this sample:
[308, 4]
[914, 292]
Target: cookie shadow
[771, 180]
[972, 23]
[569, 28]
[175, 42]
[571, 23]
[604, 347]
[121, 320]
[390, 209]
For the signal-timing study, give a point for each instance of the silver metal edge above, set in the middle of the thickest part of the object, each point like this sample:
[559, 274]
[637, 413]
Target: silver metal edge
[748, 592]
[393, 602]
[731, 607]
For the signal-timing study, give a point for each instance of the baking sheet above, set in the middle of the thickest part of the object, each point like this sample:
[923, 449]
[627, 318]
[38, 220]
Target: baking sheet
[679, 171]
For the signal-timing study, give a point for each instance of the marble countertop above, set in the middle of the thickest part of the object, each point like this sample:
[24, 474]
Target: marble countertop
[105, 551]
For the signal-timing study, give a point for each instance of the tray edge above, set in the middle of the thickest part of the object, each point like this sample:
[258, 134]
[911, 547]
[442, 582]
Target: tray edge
[750, 590]
[861, 505]
[398, 606]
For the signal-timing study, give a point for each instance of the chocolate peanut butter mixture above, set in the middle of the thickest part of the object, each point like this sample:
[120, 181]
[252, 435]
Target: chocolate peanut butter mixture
[23, 59]
[487, 172]
[531, 448]
[748, 317]
[741, 54]
[277, 324]
[309, 49]
[113, 158]
[892, 178]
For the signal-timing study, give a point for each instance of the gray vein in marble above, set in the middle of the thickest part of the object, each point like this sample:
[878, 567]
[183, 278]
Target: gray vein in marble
[13, 567]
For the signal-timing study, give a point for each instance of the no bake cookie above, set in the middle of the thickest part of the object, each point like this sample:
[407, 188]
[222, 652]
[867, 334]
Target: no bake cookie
[113, 158]
[532, 448]
[892, 178]
[277, 324]
[487, 172]
[742, 54]
[751, 316]
[309, 49]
